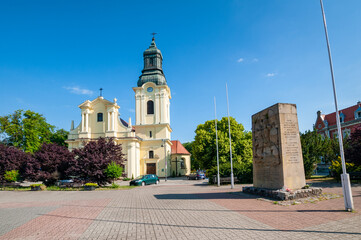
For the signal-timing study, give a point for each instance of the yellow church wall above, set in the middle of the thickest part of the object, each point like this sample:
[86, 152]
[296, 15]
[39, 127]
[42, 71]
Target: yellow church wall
[98, 129]
[187, 163]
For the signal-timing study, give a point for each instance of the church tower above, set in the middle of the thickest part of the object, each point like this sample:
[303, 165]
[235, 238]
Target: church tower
[152, 115]
[152, 94]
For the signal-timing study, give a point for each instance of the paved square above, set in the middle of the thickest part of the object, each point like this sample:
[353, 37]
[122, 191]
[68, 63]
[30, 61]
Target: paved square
[172, 211]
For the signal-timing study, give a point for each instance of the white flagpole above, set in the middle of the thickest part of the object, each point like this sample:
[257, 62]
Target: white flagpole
[345, 178]
[215, 121]
[230, 141]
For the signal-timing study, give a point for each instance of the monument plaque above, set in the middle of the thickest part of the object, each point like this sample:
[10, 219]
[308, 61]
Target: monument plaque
[277, 154]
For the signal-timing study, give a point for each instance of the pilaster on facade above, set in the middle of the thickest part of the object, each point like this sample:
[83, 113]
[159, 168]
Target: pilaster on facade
[142, 110]
[157, 108]
[137, 107]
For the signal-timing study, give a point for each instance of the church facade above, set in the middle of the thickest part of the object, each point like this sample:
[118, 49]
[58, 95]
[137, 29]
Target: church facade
[147, 144]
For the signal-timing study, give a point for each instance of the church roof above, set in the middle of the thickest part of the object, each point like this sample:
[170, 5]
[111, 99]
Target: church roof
[124, 122]
[178, 148]
[152, 71]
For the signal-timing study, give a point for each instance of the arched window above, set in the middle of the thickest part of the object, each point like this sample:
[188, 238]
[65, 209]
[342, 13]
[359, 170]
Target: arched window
[150, 107]
[182, 163]
[100, 117]
[151, 63]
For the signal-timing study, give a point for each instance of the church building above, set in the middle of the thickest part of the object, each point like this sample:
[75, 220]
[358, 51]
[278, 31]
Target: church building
[147, 144]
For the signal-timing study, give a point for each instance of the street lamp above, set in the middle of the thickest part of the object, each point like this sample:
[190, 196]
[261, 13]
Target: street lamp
[215, 122]
[230, 141]
[165, 159]
[345, 178]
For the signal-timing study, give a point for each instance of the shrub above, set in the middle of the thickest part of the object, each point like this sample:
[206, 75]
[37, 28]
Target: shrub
[115, 185]
[113, 171]
[336, 168]
[11, 176]
[91, 184]
[42, 186]
[243, 171]
[126, 179]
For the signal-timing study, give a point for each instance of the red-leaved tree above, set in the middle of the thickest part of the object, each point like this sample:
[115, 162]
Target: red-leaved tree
[92, 160]
[353, 151]
[11, 158]
[54, 161]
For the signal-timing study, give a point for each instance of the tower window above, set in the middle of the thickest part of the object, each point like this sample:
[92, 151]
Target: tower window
[150, 134]
[151, 62]
[151, 154]
[150, 107]
[100, 117]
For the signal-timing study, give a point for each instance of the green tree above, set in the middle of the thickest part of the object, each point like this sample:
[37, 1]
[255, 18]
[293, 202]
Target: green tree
[113, 171]
[204, 145]
[313, 149]
[28, 130]
[59, 137]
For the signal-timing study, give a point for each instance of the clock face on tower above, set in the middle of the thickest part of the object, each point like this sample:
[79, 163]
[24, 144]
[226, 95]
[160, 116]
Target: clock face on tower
[150, 89]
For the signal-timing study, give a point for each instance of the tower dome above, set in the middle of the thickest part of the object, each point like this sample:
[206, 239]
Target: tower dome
[152, 71]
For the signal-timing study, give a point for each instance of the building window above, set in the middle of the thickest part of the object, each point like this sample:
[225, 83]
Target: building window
[100, 117]
[150, 107]
[151, 154]
[183, 166]
[342, 117]
[346, 133]
[150, 134]
[359, 115]
[151, 62]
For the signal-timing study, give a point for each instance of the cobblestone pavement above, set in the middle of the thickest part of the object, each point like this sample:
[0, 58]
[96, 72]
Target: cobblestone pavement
[182, 210]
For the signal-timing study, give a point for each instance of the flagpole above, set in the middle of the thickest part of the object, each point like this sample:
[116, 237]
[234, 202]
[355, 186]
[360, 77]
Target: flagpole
[215, 121]
[230, 141]
[345, 178]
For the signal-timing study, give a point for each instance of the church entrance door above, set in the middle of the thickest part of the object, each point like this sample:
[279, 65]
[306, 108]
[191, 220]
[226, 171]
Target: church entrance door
[151, 168]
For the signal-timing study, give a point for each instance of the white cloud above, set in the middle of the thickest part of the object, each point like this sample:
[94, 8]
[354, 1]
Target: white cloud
[270, 74]
[255, 60]
[80, 91]
[240, 60]
[131, 110]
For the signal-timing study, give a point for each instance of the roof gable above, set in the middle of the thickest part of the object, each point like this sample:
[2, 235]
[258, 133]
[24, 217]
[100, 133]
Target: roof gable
[88, 103]
[178, 148]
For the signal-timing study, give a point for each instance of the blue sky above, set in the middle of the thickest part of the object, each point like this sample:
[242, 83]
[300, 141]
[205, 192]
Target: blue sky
[56, 54]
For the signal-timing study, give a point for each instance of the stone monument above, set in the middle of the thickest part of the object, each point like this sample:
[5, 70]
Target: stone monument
[277, 154]
[278, 170]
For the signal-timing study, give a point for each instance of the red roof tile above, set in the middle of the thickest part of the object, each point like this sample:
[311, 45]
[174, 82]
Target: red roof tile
[348, 112]
[177, 148]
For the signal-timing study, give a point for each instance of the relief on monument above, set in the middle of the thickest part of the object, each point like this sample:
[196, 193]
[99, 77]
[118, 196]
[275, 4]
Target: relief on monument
[291, 137]
[266, 139]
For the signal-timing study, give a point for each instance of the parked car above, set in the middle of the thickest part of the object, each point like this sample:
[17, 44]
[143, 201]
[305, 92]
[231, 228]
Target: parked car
[196, 175]
[143, 180]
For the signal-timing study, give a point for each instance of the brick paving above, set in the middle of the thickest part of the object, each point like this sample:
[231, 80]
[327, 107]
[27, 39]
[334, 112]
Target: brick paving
[176, 210]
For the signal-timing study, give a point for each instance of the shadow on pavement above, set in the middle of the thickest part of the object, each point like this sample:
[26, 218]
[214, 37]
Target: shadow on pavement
[210, 210]
[199, 226]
